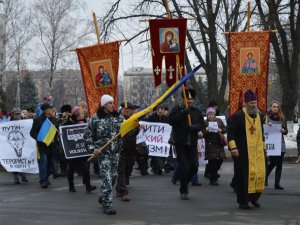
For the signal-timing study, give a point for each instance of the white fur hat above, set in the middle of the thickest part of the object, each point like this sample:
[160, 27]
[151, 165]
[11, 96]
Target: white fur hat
[105, 99]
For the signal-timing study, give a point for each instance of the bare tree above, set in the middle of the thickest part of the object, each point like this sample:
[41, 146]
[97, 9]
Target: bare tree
[285, 17]
[204, 33]
[58, 27]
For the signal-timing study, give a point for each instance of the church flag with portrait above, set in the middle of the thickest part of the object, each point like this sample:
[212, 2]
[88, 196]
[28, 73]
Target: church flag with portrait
[99, 66]
[249, 54]
[167, 40]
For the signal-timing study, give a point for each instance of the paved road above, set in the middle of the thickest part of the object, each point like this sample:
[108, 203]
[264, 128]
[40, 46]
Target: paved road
[154, 201]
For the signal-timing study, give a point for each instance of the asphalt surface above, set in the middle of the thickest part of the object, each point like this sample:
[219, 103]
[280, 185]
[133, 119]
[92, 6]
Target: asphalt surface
[154, 201]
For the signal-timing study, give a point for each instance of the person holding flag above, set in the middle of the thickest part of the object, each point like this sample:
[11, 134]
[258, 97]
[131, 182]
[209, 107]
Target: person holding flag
[45, 133]
[185, 139]
[103, 126]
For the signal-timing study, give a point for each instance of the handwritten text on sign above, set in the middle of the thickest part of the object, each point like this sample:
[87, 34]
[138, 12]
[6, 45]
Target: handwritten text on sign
[273, 139]
[156, 136]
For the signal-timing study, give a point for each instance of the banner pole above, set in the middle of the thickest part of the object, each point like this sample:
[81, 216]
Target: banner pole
[183, 89]
[248, 22]
[96, 28]
[168, 9]
[104, 146]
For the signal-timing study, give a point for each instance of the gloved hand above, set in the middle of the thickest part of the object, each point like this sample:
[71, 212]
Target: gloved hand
[193, 128]
[187, 111]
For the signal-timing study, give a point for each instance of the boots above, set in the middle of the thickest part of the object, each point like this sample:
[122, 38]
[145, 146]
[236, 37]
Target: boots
[71, 183]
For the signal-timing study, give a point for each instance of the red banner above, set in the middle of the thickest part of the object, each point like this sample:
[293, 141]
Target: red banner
[99, 66]
[167, 40]
[249, 67]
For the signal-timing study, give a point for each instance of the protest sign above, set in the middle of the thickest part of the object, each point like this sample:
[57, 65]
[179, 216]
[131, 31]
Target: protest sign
[73, 142]
[156, 136]
[273, 138]
[18, 149]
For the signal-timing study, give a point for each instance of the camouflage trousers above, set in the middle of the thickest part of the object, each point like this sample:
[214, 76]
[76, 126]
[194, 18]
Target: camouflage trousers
[108, 166]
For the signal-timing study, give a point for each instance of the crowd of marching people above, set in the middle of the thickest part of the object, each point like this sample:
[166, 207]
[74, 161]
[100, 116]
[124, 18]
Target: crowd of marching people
[115, 163]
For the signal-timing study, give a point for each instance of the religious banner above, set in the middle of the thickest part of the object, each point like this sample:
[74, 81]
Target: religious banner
[156, 136]
[18, 150]
[99, 66]
[273, 138]
[73, 142]
[167, 40]
[249, 66]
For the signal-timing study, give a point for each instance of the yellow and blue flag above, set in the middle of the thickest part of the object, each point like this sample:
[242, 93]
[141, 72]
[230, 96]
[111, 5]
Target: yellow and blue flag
[133, 122]
[47, 132]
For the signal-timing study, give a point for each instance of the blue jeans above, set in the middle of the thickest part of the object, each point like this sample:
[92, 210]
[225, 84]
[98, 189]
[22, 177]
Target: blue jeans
[44, 167]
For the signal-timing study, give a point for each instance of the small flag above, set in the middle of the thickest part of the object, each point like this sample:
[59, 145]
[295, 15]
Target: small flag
[47, 132]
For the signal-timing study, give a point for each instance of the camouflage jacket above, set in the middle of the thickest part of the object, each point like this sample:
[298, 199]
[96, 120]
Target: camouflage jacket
[100, 129]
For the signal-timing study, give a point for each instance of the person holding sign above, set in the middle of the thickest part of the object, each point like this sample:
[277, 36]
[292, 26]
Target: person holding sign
[103, 126]
[275, 116]
[246, 143]
[77, 117]
[186, 139]
[214, 149]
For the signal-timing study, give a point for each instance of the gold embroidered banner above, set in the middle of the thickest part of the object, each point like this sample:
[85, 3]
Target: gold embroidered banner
[99, 66]
[249, 67]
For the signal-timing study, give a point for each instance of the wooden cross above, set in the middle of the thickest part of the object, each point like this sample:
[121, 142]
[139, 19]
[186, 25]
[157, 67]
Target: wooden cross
[171, 70]
[252, 129]
[157, 70]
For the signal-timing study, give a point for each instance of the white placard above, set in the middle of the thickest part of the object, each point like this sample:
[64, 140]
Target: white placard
[273, 138]
[213, 126]
[201, 151]
[18, 149]
[156, 136]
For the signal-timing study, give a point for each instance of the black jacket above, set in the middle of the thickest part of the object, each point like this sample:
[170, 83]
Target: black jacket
[36, 126]
[183, 133]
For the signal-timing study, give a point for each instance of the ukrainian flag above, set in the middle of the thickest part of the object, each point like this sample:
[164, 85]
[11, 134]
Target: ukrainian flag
[133, 122]
[47, 132]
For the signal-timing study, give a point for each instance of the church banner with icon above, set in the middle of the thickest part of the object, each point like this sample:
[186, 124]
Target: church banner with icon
[167, 40]
[249, 54]
[99, 66]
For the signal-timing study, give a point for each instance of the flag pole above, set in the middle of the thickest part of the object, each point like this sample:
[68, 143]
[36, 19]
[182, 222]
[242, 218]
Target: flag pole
[104, 146]
[96, 28]
[183, 90]
[179, 69]
[248, 21]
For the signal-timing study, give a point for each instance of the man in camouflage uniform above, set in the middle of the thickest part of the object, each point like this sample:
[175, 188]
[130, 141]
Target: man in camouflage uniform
[103, 126]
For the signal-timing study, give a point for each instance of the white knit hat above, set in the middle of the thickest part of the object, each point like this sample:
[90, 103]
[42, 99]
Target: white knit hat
[105, 99]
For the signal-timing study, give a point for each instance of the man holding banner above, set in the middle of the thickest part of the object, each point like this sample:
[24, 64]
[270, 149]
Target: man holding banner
[246, 143]
[185, 140]
[103, 127]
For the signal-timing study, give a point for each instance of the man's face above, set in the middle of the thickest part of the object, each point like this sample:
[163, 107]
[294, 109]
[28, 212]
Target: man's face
[126, 112]
[160, 112]
[252, 107]
[17, 116]
[190, 102]
[48, 112]
[109, 107]
[16, 140]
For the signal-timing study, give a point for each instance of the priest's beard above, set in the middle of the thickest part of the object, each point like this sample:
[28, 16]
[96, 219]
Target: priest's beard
[252, 110]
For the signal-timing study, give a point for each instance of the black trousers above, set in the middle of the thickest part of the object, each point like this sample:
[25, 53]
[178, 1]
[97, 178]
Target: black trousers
[187, 158]
[276, 161]
[82, 165]
[125, 167]
[213, 167]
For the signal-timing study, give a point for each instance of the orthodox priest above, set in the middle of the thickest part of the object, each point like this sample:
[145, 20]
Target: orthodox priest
[246, 143]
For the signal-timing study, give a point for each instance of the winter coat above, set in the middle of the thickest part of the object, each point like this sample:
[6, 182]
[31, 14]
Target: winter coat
[100, 129]
[213, 147]
[183, 133]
